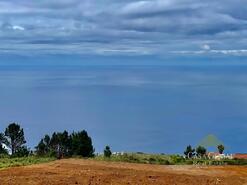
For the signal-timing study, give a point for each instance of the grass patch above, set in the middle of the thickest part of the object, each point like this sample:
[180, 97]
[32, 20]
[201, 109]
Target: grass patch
[163, 159]
[6, 162]
[137, 158]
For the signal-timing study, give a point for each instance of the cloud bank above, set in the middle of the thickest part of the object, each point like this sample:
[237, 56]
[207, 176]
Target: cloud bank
[113, 27]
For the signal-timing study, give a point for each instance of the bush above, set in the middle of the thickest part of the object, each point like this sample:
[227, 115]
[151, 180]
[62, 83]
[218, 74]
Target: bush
[152, 160]
[21, 152]
[177, 159]
[4, 156]
[107, 152]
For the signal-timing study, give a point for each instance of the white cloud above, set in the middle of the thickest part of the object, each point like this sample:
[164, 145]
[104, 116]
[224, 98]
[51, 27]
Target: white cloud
[236, 52]
[123, 26]
[206, 47]
[16, 27]
[146, 6]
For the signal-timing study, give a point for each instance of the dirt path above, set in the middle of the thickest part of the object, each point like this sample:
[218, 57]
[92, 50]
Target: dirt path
[76, 171]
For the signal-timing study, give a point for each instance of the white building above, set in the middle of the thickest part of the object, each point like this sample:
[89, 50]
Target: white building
[218, 156]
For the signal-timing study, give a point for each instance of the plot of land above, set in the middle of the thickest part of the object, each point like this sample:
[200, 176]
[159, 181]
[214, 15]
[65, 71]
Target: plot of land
[89, 172]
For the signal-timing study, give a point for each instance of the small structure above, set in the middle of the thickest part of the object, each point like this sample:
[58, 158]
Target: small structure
[118, 153]
[212, 155]
[240, 156]
[218, 156]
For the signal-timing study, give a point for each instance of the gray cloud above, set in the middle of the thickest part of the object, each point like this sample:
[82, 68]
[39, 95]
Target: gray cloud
[126, 27]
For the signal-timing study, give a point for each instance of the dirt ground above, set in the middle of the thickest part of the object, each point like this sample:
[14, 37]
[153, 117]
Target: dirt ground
[88, 172]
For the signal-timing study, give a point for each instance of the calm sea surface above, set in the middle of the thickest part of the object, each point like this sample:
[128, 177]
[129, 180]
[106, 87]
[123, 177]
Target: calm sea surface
[130, 108]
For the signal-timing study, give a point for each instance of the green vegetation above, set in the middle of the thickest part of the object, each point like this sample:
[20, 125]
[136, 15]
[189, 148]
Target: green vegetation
[7, 161]
[14, 139]
[163, 159]
[107, 152]
[221, 148]
[201, 151]
[65, 145]
[3, 151]
[136, 158]
[189, 152]
[207, 161]
[79, 144]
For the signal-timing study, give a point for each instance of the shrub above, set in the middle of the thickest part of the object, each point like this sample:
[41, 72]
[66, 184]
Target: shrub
[176, 159]
[107, 151]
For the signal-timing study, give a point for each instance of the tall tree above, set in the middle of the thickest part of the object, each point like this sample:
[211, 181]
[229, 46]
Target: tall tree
[47, 141]
[81, 144]
[221, 148]
[189, 152]
[2, 139]
[14, 135]
[41, 148]
[59, 143]
[107, 151]
[201, 151]
[64, 144]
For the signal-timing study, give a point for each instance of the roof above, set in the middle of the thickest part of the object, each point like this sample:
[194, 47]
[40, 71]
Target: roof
[240, 156]
[213, 153]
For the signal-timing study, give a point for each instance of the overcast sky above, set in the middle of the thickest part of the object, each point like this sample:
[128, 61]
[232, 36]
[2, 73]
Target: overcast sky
[113, 27]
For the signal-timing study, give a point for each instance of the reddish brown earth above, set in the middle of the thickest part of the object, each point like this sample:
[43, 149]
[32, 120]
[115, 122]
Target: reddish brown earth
[88, 172]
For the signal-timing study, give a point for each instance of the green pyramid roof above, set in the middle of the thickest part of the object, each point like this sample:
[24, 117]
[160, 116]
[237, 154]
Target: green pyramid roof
[210, 141]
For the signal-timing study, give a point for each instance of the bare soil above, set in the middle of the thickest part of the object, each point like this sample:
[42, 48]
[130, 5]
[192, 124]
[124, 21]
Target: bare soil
[89, 172]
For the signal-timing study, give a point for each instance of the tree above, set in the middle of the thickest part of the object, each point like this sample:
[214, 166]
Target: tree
[107, 151]
[81, 144]
[57, 145]
[189, 152]
[47, 141]
[62, 144]
[2, 138]
[15, 139]
[41, 148]
[201, 151]
[22, 151]
[221, 148]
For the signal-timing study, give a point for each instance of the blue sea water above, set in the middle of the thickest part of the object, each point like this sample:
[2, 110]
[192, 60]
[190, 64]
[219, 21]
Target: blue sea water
[158, 109]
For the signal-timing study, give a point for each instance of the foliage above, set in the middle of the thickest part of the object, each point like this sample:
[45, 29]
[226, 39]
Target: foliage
[7, 161]
[201, 151]
[3, 150]
[177, 159]
[60, 143]
[221, 148]
[81, 144]
[22, 151]
[41, 148]
[14, 138]
[107, 151]
[3, 139]
[168, 159]
[189, 152]
[137, 158]
[65, 145]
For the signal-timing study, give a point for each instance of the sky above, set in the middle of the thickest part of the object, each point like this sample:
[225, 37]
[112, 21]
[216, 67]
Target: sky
[123, 27]
[159, 73]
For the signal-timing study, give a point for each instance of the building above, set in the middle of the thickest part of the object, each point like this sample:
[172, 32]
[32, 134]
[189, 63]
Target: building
[218, 156]
[240, 156]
